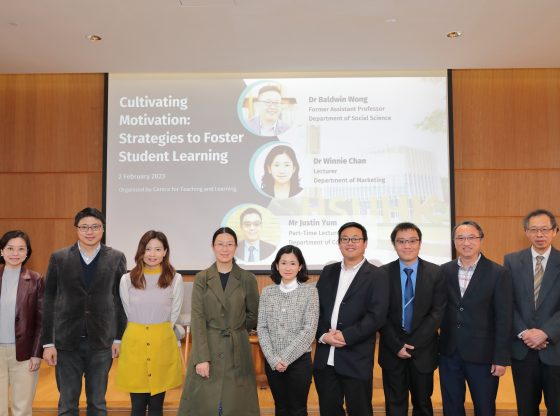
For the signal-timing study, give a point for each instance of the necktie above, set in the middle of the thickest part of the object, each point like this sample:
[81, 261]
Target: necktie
[537, 279]
[408, 301]
[251, 253]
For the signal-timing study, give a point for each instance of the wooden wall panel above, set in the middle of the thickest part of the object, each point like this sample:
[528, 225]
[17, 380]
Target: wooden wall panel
[51, 153]
[52, 123]
[53, 195]
[506, 118]
[507, 150]
[495, 193]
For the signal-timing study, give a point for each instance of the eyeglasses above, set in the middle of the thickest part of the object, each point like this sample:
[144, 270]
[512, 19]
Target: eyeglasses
[539, 230]
[251, 223]
[470, 238]
[353, 240]
[270, 103]
[224, 245]
[412, 241]
[85, 228]
[11, 249]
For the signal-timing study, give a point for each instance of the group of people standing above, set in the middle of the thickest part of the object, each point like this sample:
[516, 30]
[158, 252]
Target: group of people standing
[471, 317]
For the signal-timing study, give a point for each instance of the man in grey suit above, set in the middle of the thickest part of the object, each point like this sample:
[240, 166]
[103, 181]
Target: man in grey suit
[83, 318]
[536, 316]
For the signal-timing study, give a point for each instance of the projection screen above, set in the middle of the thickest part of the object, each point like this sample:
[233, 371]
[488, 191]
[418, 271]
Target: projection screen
[297, 156]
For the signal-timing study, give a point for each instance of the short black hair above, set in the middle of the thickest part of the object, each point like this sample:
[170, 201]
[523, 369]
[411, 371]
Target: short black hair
[16, 234]
[248, 211]
[268, 88]
[405, 226]
[537, 212]
[355, 225]
[89, 212]
[224, 230]
[302, 276]
[472, 224]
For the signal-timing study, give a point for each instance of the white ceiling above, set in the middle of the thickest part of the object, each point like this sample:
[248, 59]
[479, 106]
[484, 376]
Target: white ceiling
[276, 35]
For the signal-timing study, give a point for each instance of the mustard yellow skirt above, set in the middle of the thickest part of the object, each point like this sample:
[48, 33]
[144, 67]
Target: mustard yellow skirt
[149, 360]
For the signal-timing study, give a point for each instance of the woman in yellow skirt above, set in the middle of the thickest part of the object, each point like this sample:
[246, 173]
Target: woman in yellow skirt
[152, 295]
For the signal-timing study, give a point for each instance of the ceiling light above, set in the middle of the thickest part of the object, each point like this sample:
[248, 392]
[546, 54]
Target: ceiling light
[94, 38]
[453, 34]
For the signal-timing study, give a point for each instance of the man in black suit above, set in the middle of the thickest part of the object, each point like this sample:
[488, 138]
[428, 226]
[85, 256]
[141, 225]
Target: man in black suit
[353, 301]
[475, 336]
[408, 345]
[83, 317]
[536, 316]
[252, 248]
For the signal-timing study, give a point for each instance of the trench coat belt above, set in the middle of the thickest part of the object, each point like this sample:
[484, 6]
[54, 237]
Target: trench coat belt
[234, 335]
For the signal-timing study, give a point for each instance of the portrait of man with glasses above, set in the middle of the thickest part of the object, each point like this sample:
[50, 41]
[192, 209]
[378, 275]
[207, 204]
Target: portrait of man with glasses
[268, 109]
[353, 302]
[536, 317]
[475, 335]
[83, 317]
[252, 249]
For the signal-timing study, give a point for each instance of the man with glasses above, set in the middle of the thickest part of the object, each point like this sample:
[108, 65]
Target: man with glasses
[83, 317]
[269, 109]
[536, 317]
[252, 249]
[353, 302]
[408, 346]
[475, 336]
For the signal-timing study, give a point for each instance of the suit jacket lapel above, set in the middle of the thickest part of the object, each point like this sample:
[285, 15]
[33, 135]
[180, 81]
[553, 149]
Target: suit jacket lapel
[455, 281]
[551, 273]
[233, 282]
[100, 268]
[76, 264]
[479, 271]
[395, 273]
[420, 292]
[215, 284]
[358, 280]
[528, 272]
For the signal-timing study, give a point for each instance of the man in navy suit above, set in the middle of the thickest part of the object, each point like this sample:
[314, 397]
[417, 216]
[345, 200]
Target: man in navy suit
[536, 316]
[353, 301]
[408, 345]
[475, 337]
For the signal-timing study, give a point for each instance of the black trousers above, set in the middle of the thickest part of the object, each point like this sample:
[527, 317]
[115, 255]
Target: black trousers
[532, 378]
[291, 388]
[335, 389]
[401, 379]
[142, 401]
[483, 386]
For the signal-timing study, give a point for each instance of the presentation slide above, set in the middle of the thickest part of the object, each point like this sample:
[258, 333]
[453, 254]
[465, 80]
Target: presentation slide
[280, 160]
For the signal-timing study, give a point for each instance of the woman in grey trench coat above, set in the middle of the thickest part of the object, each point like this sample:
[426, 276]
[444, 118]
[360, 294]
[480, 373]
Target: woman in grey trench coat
[220, 375]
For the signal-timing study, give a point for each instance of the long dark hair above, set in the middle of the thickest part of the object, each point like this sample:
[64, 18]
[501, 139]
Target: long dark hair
[267, 179]
[302, 276]
[167, 270]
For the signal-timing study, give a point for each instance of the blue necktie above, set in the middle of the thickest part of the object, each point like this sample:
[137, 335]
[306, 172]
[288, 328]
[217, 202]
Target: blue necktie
[408, 301]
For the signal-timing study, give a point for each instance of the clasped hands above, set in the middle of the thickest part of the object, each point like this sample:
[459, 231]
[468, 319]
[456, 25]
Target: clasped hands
[335, 338]
[535, 339]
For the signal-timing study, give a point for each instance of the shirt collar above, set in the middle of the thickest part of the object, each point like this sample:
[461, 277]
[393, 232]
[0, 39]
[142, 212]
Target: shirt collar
[355, 267]
[83, 253]
[545, 254]
[472, 266]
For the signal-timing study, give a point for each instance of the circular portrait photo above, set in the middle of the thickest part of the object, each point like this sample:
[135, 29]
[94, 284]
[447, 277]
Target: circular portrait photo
[265, 110]
[276, 171]
[257, 231]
